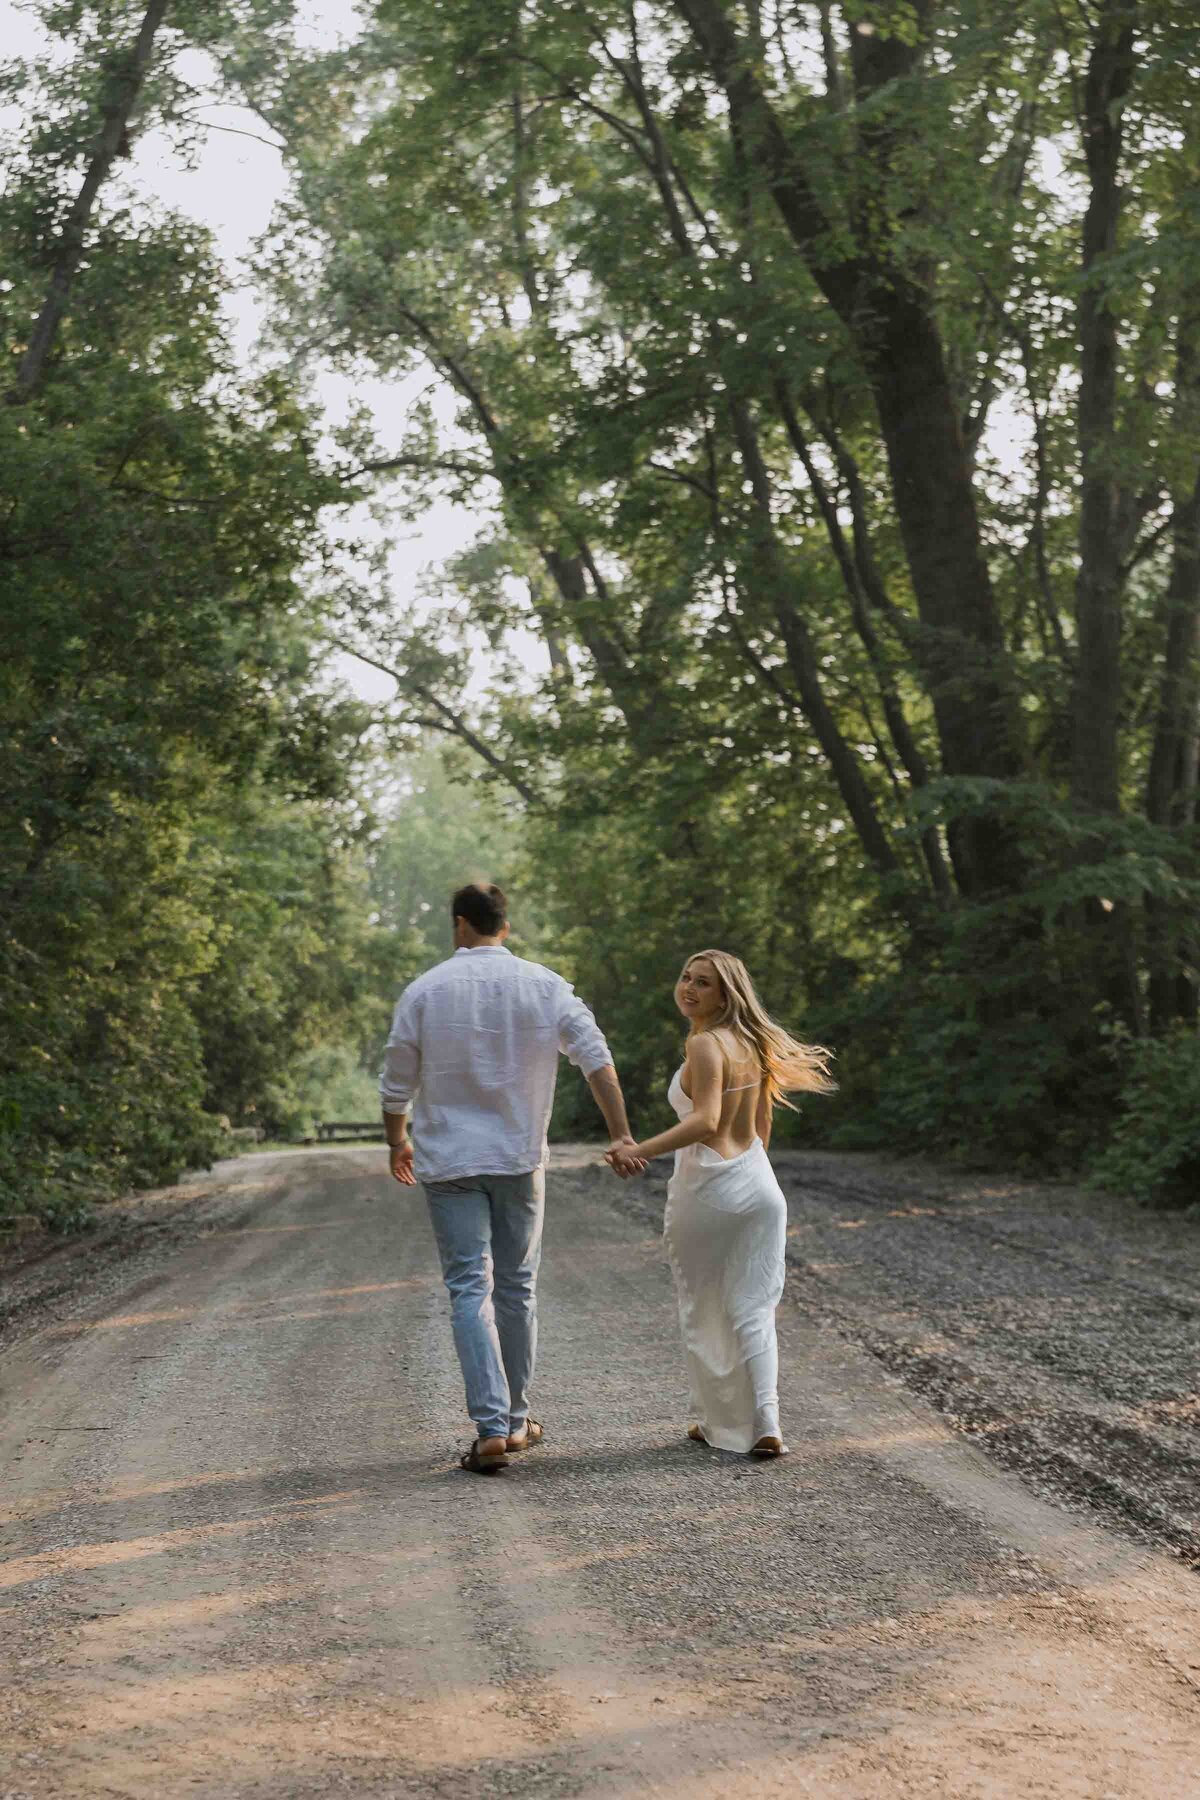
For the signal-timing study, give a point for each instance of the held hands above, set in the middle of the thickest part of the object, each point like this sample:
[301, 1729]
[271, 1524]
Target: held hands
[622, 1159]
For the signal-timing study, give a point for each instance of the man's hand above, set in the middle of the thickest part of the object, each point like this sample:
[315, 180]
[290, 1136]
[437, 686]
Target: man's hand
[401, 1157]
[620, 1158]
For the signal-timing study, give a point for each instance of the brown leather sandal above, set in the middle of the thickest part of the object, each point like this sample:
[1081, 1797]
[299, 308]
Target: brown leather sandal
[489, 1462]
[531, 1433]
[767, 1447]
[696, 1433]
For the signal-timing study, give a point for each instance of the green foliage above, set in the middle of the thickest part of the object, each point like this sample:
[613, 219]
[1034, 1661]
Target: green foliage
[737, 728]
[1155, 1149]
[314, 954]
[177, 912]
[292, 957]
[943, 1061]
[439, 826]
[721, 702]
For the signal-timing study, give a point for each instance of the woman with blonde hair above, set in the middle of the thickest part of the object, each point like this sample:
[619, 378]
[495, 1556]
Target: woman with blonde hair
[726, 1215]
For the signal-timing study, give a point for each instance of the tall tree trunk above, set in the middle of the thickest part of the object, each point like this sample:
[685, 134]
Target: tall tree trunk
[122, 89]
[834, 97]
[556, 648]
[1180, 687]
[890, 320]
[775, 582]
[768, 555]
[1106, 508]
[1104, 514]
[1167, 794]
[901, 732]
[961, 644]
[1171, 784]
[648, 713]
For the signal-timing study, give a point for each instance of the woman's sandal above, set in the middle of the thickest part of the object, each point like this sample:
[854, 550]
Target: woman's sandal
[768, 1447]
[696, 1433]
[488, 1464]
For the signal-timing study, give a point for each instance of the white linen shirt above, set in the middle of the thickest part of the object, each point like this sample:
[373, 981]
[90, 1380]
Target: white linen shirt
[476, 1040]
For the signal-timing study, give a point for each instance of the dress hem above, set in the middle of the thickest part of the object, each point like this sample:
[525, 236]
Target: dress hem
[716, 1440]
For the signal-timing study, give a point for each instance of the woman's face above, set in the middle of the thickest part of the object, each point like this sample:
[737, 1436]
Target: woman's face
[698, 991]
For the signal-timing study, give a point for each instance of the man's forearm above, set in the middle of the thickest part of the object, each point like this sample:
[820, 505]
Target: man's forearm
[606, 1091]
[395, 1126]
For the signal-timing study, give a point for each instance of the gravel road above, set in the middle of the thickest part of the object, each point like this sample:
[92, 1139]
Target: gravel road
[237, 1556]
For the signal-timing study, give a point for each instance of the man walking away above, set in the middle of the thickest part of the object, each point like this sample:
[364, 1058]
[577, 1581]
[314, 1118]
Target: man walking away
[476, 1040]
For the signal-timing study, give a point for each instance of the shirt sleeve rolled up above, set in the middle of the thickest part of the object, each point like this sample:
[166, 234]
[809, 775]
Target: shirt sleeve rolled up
[579, 1037]
[401, 1074]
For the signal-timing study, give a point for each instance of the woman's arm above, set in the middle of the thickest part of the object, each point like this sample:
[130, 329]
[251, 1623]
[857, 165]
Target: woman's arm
[706, 1068]
[688, 1131]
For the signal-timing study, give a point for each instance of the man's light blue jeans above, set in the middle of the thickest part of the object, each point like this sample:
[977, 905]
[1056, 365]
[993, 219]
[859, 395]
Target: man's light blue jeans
[489, 1236]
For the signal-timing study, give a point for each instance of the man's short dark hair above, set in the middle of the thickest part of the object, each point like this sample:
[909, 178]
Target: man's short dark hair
[484, 908]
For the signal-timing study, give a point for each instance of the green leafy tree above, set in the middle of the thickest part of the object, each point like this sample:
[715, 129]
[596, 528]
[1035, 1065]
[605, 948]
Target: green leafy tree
[737, 303]
[164, 739]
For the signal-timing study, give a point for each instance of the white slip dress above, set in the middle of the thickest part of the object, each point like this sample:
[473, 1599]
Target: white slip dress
[725, 1226]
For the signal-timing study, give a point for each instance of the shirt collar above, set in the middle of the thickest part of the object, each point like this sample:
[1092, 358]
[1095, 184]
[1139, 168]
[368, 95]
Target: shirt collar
[483, 950]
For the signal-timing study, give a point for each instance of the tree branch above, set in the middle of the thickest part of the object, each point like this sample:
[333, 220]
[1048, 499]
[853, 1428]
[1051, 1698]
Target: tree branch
[450, 720]
[124, 86]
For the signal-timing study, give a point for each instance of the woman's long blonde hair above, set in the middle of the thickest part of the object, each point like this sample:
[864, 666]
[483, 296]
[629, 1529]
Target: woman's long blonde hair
[788, 1066]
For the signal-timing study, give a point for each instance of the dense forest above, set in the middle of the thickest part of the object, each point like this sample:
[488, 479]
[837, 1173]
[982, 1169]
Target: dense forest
[824, 382]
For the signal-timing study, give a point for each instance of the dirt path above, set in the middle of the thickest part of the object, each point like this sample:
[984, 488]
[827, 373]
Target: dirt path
[237, 1561]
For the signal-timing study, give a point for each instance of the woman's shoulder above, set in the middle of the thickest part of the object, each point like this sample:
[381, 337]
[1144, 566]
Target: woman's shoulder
[704, 1050]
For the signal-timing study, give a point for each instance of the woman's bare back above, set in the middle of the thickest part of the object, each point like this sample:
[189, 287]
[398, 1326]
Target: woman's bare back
[740, 1094]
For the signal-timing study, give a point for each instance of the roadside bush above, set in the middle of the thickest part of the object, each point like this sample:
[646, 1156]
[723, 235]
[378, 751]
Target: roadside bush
[986, 1048]
[1154, 1153]
[116, 1105]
